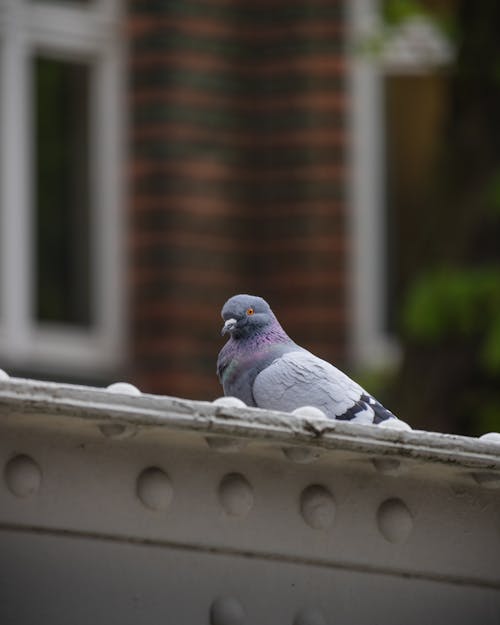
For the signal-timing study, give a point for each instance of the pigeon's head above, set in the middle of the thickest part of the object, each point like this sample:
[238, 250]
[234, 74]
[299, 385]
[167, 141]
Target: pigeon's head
[246, 314]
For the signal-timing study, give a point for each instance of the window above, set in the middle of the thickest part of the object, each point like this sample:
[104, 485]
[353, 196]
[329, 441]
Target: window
[60, 192]
[408, 59]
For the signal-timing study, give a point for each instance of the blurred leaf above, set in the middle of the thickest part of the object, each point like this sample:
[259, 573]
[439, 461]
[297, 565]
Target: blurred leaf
[395, 12]
[458, 302]
[423, 315]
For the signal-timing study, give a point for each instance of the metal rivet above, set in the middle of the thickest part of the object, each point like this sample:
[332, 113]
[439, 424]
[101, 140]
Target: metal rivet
[154, 489]
[229, 402]
[301, 455]
[226, 611]
[124, 387]
[225, 444]
[317, 507]
[22, 476]
[4, 375]
[387, 466]
[394, 520]
[309, 616]
[310, 412]
[235, 495]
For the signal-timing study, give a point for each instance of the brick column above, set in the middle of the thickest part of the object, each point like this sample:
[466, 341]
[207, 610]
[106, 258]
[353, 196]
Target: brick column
[237, 166]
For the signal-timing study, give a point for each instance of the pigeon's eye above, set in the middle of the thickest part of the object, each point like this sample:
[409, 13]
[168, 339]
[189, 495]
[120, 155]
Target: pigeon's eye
[250, 311]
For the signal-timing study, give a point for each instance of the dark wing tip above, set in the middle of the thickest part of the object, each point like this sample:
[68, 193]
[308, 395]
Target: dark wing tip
[367, 402]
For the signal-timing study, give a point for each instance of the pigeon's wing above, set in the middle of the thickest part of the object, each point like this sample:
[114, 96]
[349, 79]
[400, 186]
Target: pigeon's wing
[299, 378]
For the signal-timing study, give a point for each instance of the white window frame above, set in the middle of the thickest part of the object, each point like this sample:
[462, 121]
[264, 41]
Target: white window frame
[371, 346]
[90, 32]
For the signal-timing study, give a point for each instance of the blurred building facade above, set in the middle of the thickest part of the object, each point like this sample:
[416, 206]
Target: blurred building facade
[158, 157]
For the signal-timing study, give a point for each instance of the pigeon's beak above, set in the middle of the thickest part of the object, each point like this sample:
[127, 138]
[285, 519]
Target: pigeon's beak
[228, 326]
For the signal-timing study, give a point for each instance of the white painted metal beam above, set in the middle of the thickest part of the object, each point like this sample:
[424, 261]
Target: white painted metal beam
[121, 507]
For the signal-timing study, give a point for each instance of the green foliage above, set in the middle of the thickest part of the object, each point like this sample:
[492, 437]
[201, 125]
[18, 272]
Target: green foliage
[397, 12]
[458, 303]
[394, 12]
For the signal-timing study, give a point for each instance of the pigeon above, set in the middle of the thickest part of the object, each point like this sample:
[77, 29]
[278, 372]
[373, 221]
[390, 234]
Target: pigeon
[262, 366]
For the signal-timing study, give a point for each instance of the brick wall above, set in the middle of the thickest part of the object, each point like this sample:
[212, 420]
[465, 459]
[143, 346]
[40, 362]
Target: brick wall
[237, 178]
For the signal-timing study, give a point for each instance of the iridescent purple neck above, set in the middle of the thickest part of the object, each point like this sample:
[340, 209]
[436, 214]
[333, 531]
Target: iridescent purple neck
[271, 334]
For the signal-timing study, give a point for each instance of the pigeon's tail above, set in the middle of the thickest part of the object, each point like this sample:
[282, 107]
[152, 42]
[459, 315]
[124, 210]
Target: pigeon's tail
[381, 412]
[367, 410]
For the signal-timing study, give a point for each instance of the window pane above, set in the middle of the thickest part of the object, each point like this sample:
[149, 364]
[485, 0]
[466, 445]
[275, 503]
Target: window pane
[62, 191]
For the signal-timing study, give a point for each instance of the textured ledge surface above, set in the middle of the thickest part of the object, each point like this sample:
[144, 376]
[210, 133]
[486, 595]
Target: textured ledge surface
[141, 410]
[116, 506]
